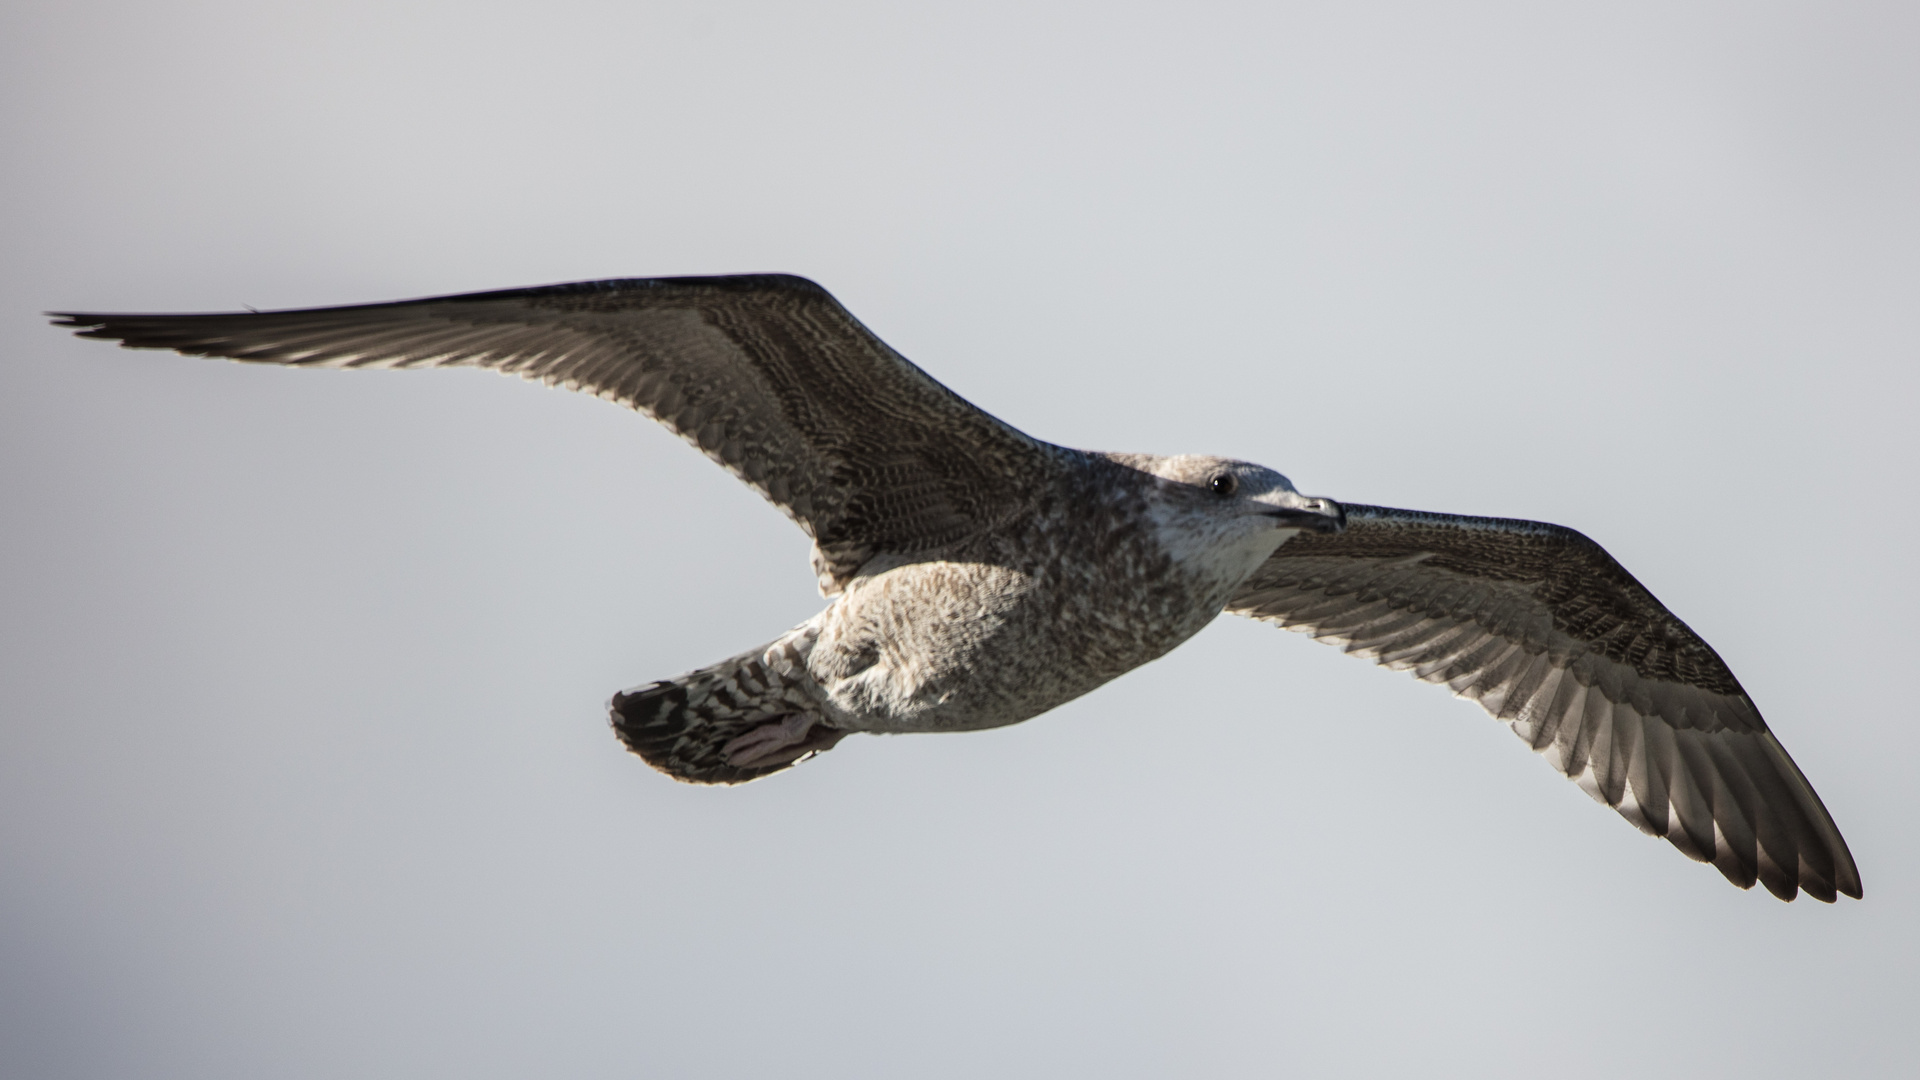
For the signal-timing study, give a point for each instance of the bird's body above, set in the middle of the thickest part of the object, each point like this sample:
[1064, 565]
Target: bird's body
[1119, 559]
[978, 577]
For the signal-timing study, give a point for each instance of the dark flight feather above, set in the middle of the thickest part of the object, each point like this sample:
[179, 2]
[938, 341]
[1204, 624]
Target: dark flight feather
[1549, 634]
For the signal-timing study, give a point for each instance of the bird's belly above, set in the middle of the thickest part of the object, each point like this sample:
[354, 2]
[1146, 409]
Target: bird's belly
[958, 646]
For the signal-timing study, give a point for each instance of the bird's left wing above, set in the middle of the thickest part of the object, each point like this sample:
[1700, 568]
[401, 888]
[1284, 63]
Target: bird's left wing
[1548, 633]
[766, 373]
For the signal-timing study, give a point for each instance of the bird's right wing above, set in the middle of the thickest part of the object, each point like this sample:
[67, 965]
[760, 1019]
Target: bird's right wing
[1548, 633]
[767, 374]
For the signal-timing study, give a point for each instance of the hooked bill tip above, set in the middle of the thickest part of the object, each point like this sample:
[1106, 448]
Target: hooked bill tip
[1323, 515]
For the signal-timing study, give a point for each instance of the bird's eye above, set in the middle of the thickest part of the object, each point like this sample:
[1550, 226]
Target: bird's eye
[1223, 485]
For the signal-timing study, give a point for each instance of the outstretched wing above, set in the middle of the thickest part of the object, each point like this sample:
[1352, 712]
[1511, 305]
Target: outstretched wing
[767, 374]
[1548, 633]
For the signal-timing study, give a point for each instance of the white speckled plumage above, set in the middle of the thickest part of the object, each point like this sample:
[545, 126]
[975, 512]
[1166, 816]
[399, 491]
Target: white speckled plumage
[978, 576]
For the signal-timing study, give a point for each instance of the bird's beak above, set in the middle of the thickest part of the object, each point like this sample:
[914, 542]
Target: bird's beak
[1320, 515]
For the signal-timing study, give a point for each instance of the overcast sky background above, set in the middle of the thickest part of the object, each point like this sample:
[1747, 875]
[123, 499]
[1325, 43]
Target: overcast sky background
[304, 770]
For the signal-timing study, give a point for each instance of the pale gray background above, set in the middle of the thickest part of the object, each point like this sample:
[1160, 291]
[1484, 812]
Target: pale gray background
[303, 765]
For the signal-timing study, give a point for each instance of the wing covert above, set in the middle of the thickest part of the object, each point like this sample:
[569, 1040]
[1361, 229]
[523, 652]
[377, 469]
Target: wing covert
[1552, 636]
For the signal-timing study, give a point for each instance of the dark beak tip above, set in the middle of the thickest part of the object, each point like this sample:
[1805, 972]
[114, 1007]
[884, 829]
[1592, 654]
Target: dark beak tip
[1330, 519]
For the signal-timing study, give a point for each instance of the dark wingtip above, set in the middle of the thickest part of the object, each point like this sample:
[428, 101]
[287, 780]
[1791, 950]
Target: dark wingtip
[1820, 889]
[1781, 889]
[89, 325]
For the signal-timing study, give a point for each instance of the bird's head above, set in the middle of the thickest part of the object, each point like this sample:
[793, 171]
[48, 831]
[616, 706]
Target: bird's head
[1228, 516]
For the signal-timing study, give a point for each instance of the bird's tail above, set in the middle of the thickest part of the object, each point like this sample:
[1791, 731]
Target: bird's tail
[738, 720]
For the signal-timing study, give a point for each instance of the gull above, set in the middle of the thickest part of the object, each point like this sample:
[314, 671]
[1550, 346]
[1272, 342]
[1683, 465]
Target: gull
[978, 577]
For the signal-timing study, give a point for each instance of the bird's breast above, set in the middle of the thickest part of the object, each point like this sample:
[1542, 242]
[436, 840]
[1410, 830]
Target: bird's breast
[966, 643]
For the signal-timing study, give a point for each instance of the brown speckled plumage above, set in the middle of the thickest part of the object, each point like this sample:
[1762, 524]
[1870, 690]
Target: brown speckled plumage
[980, 577]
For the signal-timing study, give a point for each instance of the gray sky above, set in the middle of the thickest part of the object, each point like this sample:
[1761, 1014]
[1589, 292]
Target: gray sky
[303, 763]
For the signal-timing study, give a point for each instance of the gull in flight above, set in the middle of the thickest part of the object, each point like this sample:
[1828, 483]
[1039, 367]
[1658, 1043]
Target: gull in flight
[978, 576]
